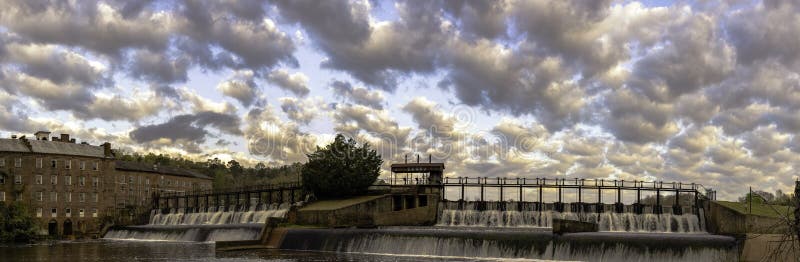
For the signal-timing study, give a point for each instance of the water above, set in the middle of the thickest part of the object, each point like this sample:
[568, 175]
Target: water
[493, 216]
[214, 224]
[220, 215]
[516, 243]
[108, 250]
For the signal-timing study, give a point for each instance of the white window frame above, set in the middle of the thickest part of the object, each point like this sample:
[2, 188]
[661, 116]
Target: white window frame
[2, 180]
[18, 179]
[54, 212]
[18, 162]
[67, 164]
[40, 196]
[67, 212]
[68, 197]
[39, 212]
[95, 181]
[82, 180]
[54, 179]
[95, 197]
[83, 165]
[2, 196]
[39, 179]
[68, 180]
[39, 162]
[53, 163]
[80, 212]
[95, 166]
[94, 212]
[53, 197]
[82, 197]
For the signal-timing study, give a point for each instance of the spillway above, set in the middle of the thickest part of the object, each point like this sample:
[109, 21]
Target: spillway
[210, 225]
[495, 215]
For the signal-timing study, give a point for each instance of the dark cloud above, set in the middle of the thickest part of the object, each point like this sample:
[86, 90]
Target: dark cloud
[296, 83]
[187, 128]
[358, 95]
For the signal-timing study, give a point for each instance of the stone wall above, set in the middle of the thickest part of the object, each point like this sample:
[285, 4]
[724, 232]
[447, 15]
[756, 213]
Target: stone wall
[726, 221]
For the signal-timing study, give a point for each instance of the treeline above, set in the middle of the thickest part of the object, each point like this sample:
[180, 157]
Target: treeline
[225, 174]
[763, 197]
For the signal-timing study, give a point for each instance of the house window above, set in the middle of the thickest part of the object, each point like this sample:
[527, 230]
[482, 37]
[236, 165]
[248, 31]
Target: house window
[18, 162]
[94, 212]
[68, 197]
[67, 212]
[82, 180]
[2, 196]
[82, 197]
[39, 179]
[2, 180]
[80, 212]
[39, 163]
[53, 163]
[38, 212]
[83, 165]
[2, 162]
[18, 179]
[147, 181]
[130, 180]
[67, 164]
[68, 180]
[39, 196]
[95, 197]
[54, 180]
[95, 181]
[54, 212]
[95, 166]
[53, 197]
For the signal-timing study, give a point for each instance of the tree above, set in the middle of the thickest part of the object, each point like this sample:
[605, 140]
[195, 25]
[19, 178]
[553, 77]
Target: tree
[16, 223]
[235, 167]
[340, 169]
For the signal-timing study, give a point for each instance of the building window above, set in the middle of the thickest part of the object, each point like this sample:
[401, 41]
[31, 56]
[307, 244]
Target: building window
[53, 163]
[82, 197]
[38, 212]
[67, 164]
[95, 197]
[95, 166]
[39, 163]
[2, 196]
[67, 197]
[18, 179]
[67, 212]
[82, 180]
[95, 181]
[147, 181]
[80, 212]
[2, 180]
[83, 165]
[68, 180]
[54, 212]
[2, 162]
[53, 197]
[40, 196]
[54, 180]
[18, 162]
[94, 212]
[130, 180]
[39, 179]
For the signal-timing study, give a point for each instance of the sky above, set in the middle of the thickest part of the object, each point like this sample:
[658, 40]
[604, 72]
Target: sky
[698, 92]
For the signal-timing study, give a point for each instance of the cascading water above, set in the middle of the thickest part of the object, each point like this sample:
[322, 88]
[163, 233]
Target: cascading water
[493, 216]
[213, 224]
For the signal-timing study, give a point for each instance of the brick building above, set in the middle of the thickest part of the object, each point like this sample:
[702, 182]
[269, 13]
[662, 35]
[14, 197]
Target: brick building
[72, 187]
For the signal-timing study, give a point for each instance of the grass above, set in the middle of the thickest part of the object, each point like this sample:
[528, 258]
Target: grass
[760, 209]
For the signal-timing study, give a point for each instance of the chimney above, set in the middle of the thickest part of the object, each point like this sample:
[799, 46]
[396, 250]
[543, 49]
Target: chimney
[64, 138]
[107, 149]
[13, 136]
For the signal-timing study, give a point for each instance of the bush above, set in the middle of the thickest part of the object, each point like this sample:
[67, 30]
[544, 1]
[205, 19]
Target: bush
[341, 169]
[16, 223]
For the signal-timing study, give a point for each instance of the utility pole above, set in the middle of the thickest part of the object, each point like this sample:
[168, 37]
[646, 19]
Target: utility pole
[750, 200]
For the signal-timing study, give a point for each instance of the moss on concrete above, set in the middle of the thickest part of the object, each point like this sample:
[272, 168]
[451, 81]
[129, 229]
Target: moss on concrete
[773, 211]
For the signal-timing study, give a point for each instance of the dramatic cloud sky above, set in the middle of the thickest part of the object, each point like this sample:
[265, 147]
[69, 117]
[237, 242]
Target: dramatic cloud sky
[704, 92]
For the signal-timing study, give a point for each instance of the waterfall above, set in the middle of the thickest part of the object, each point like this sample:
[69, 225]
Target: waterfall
[493, 216]
[220, 215]
[211, 224]
[509, 244]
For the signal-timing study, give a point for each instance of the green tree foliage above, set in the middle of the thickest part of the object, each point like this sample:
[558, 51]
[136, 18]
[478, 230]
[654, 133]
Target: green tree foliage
[225, 175]
[16, 223]
[340, 169]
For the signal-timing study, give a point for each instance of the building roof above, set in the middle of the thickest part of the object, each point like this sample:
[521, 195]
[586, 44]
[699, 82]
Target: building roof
[164, 170]
[51, 147]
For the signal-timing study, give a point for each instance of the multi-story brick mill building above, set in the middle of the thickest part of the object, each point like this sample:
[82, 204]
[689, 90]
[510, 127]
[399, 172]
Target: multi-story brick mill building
[72, 187]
